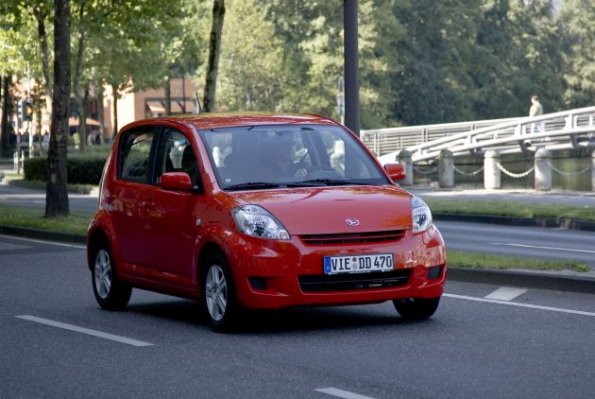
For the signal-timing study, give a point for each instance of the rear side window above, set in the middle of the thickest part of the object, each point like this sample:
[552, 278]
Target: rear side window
[135, 155]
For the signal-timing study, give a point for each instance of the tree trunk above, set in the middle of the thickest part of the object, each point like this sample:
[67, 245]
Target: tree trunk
[115, 93]
[100, 113]
[56, 203]
[77, 89]
[5, 131]
[167, 95]
[214, 50]
[40, 16]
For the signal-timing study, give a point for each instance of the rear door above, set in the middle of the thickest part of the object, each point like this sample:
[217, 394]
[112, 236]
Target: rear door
[128, 205]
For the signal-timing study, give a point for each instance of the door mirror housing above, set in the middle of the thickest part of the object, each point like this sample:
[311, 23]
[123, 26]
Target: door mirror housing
[176, 181]
[396, 171]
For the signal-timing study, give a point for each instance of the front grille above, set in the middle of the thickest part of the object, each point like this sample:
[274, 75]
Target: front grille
[353, 238]
[346, 282]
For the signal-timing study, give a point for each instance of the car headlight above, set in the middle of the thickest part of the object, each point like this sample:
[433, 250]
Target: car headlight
[420, 214]
[258, 222]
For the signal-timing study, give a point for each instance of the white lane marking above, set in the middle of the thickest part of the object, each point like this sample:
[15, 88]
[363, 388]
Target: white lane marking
[506, 293]
[95, 333]
[341, 393]
[585, 251]
[59, 244]
[521, 305]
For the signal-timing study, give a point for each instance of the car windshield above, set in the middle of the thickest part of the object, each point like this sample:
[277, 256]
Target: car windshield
[264, 157]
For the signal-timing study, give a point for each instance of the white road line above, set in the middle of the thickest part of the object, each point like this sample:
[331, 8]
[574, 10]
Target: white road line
[59, 244]
[521, 305]
[341, 393]
[95, 333]
[584, 251]
[506, 293]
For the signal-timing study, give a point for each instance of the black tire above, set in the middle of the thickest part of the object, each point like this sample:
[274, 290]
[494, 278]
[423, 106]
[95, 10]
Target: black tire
[219, 299]
[110, 293]
[416, 308]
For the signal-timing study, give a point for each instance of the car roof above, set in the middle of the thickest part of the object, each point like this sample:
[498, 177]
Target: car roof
[207, 121]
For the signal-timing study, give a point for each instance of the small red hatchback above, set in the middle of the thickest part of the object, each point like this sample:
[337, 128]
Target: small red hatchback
[259, 211]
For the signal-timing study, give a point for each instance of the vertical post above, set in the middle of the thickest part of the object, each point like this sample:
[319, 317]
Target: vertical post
[543, 170]
[404, 158]
[446, 169]
[351, 65]
[491, 172]
[593, 171]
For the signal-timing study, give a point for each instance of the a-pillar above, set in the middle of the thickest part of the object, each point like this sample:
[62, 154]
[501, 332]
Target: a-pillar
[543, 170]
[491, 172]
[404, 158]
[446, 169]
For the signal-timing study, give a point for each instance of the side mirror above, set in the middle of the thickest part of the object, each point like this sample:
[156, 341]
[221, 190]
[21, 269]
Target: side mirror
[395, 171]
[176, 181]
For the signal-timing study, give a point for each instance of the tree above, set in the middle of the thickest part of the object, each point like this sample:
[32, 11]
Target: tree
[576, 21]
[57, 192]
[214, 52]
[251, 75]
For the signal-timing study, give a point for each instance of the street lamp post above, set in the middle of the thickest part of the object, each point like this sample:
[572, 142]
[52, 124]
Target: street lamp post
[351, 65]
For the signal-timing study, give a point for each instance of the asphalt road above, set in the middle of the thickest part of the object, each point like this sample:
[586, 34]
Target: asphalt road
[520, 343]
[528, 242]
[540, 243]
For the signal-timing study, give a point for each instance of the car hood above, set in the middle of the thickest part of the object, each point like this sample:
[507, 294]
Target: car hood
[326, 210]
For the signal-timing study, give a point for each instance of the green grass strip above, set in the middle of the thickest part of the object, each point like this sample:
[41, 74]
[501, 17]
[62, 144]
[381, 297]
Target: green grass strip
[478, 260]
[33, 218]
[510, 209]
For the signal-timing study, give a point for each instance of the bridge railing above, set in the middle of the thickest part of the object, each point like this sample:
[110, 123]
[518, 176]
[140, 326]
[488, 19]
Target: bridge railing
[567, 129]
[382, 141]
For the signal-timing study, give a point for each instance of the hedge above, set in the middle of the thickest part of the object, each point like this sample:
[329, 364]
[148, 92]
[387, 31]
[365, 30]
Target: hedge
[81, 169]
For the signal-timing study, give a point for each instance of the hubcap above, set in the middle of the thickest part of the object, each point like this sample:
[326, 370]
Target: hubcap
[103, 273]
[216, 292]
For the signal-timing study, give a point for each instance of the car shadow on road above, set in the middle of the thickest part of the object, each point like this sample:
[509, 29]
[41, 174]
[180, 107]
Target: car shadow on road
[299, 319]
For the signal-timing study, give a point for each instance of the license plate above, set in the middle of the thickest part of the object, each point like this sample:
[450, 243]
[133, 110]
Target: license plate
[358, 264]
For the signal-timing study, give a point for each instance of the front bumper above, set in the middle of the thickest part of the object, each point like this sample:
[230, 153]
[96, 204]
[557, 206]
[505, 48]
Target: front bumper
[276, 274]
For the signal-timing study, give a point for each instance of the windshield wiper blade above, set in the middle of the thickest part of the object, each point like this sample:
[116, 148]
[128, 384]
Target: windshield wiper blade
[252, 185]
[328, 182]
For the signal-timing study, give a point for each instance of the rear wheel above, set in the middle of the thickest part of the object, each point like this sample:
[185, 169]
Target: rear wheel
[110, 293]
[219, 300]
[416, 308]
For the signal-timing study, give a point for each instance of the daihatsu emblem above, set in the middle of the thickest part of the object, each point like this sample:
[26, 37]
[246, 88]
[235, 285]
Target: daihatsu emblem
[352, 222]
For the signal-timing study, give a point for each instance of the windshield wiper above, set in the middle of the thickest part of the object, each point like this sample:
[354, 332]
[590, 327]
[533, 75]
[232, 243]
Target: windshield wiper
[253, 185]
[329, 182]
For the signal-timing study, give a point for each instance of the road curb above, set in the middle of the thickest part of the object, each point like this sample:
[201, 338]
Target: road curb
[527, 279]
[43, 235]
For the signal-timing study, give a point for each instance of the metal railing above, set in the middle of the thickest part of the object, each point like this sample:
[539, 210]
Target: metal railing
[561, 130]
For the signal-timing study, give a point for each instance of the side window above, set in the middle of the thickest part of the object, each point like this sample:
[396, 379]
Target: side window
[135, 152]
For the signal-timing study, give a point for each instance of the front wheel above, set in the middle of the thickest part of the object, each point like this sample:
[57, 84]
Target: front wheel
[416, 308]
[110, 293]
[219, 301]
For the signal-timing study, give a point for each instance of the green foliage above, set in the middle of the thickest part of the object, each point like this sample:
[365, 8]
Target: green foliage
[81, 169]
[421, 61]
[576, 22]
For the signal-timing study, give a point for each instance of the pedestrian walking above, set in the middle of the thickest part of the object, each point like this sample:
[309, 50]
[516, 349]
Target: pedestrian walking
[535, 110]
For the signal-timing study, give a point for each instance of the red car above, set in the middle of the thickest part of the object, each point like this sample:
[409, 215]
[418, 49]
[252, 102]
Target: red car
[259, 211]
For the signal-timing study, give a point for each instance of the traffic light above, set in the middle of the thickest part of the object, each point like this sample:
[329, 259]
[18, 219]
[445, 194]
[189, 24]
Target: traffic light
[27, 111]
